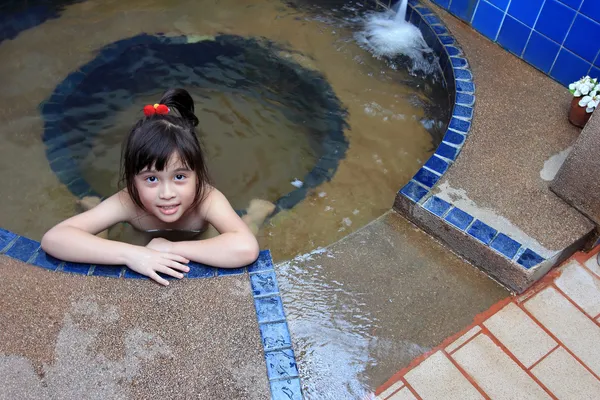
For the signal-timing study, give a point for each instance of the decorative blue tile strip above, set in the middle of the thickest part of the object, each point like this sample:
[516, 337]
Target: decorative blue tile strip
[269, 309]
[447, 151]
[505, 245]
[463, 74]
[281, 364]
[482, 232]
[465, 87]
[414, 191]
[458, 62]
[530, 259]
[230, 271]
[6, 237]
[111, 271]
[23, 249]
[130, 274]
[437, 206]
[264, 283]
[460, 125]
[287, 389]
[463, 112]
[45, 260]
[264, 263]
[275, 336]
[77, 268]
[459, 218]
[465, 99]
[200, 271]
[454, 138]
[437, 164]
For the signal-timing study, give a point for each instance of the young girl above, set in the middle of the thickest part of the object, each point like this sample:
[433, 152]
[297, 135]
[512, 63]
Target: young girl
[168, 196]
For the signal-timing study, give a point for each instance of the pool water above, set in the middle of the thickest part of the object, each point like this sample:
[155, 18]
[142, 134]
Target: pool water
[386, 113]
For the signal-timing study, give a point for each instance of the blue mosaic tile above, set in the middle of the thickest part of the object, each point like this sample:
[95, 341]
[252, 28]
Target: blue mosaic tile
[525, 11]
[487, 20]
[423, 10]
[447, 151]
[574, 4]
[463, 9]
[131, 274]
[432, 19]
[568, 67]
[263, 263]
[442, 3]
[458, 62]
[439, 30]
[6, 237]
[459, 218]
[264, 283]
[530, 259]
[77, 268]
[513, 35]
[591, 8]
[269, 309]
[463, 74]
[112, 271]
[482, 231]
[281, 364]
[437, 206]
[555, 20]
[437, 164]
[23, 249]
[230, 271]
[578, 38]
[426, 177]
[459, 125]
[465, 99]
[286, 389]
[275, 336]
[452, 51]
[200, 271]
[414, 191]
[447, 39]
[541, 52]
[464, 86]
[501, 4]
[45, 260]
[463, 112]
[454, 138]
[505, 245]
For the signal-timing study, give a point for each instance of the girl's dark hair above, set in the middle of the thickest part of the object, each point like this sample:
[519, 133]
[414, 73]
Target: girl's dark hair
[154, 139]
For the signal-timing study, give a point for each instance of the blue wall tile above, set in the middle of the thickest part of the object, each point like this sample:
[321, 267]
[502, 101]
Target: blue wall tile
[6, 237]
[465, 99]
[275, 336]
[572, 3]
[541, 52]
[463, 9]
[487, 20]
[555, 20]
[437, 164]
[442, 3]
[591, 8]
[454, 138]
[427, 178]
[269, 309]
[447, 151]
[264, 283]
[502, 4]
[525, 11]
[579, 40]
[77, 268]
[513, 35]
[45, 260]
[281, 364]
[595, 72]
[568, 67]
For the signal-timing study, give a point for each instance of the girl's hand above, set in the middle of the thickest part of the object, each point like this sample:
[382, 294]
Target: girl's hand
[160, 244]
[148, 262]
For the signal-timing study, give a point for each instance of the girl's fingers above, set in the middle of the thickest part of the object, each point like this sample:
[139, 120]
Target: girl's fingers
[168, 271]
[176, 257]
[176, 265]
[153, 275]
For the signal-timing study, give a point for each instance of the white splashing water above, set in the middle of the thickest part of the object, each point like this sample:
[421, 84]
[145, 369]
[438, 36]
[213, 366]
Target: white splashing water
[388, 35]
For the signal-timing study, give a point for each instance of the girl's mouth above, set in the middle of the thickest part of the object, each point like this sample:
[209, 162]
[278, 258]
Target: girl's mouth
[169, 210]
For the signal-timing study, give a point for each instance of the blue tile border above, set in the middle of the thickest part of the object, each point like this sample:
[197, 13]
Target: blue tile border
[419, 189]
[282, 370]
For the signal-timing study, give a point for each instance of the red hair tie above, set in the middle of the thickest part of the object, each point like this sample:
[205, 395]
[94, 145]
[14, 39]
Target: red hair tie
[150, 110]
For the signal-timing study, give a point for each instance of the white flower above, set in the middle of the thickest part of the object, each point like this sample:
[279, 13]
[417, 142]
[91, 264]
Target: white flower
[590, 102]
[583, 86]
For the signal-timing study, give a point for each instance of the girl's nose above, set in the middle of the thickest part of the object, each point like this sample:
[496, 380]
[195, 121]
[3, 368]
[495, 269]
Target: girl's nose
[166, 192]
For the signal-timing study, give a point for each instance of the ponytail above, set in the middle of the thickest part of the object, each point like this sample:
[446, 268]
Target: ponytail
[179, 100]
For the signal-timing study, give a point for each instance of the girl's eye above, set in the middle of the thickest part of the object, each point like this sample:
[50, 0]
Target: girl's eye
[151, 179]
[179, 177]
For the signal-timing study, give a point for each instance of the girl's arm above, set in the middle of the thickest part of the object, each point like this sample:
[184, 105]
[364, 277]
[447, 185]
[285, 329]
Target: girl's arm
[74, 240]
[236, 245]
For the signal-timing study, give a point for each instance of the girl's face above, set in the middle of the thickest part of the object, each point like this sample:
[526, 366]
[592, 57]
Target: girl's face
[169, 193]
